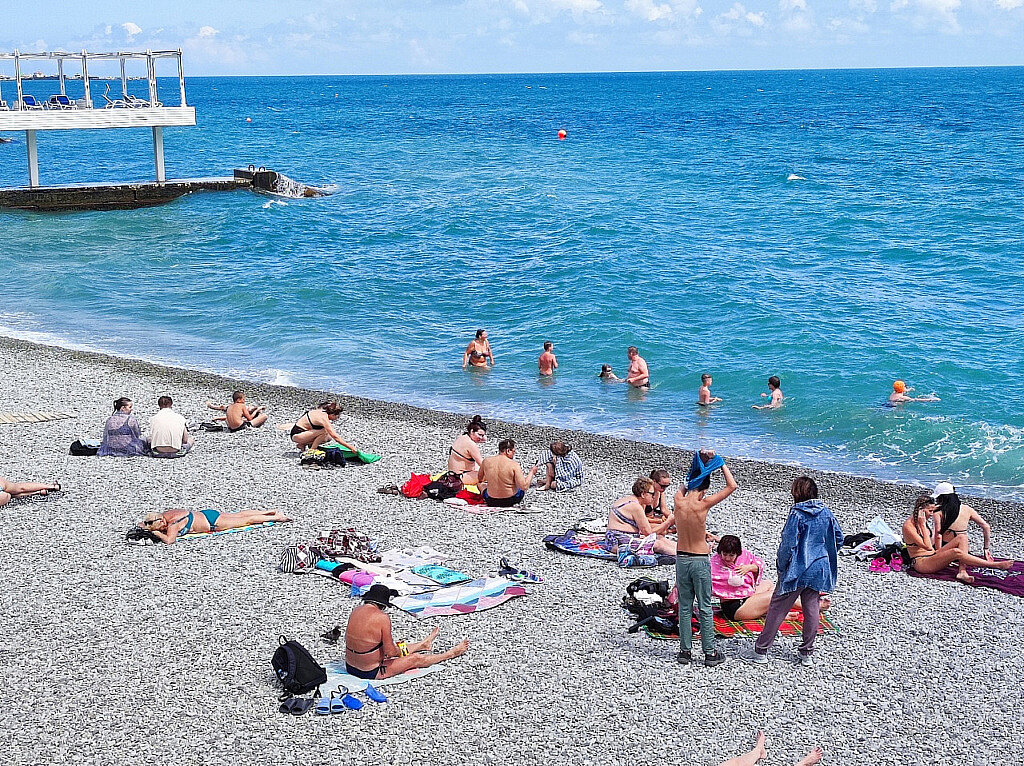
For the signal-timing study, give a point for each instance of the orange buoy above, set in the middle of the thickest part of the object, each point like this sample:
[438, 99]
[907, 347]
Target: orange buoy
[562, 134]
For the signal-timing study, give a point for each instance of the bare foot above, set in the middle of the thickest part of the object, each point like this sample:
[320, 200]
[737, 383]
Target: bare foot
[964, 577]
[543, 489]
[759, 747]
[460, 648]
[428, 642]
[812, 757]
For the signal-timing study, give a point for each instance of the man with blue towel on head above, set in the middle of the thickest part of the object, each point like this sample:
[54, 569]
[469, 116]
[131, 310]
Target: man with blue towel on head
[693, 556]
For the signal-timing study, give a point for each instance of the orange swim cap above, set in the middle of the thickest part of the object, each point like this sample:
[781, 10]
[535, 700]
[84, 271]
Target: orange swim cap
[899, 386]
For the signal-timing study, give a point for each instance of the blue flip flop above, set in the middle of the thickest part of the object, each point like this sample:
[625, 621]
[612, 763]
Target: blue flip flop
[337, 706]
[375, 695]
[323, 706]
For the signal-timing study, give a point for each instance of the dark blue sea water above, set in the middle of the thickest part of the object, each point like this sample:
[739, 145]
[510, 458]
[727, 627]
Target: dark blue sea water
[665, 220]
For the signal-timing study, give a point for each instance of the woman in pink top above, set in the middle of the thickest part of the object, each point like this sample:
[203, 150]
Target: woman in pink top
[737, 579]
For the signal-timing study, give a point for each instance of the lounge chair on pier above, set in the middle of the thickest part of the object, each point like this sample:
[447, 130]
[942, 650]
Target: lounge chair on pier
[30, 102]
[60, 101]
[140, 103]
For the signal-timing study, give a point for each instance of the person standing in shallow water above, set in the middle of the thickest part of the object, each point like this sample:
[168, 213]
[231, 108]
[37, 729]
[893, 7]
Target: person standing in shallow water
[478, 352]
[547, 364]
[775, 387]
[638, 374]
[704, 396]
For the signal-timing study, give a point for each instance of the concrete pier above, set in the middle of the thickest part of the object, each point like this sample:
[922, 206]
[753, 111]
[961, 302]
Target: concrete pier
[124, 196]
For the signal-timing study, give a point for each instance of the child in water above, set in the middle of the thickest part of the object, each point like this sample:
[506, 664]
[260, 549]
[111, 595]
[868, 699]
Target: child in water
[607, 374]
[775, 386]
[704, 397]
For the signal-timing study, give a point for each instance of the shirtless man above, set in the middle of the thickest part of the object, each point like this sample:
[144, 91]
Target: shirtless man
[704, 397]
[547, 364]
[775, 386]
[693, 561]
[899, 395]
[638, 375]
[237, 415]
[506, 483]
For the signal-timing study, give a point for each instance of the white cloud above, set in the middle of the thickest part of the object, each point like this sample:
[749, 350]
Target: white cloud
[208, 32]
[791, 6]
[1010, 5]
[578, 7]
[131, 29]
[738, 20]
[864, 6]
[649, 10]
[940, 14]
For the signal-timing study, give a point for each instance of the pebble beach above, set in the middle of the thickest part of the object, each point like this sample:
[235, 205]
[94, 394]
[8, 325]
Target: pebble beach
[118, 654]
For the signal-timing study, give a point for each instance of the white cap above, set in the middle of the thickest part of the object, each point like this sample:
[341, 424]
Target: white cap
[943, 488]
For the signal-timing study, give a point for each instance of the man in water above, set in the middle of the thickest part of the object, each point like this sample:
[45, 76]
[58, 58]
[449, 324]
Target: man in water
[693, 556]
[547, 362]
[899, 395]
[775, 386]
[506, 482]
[704, 397]
[638, 375]
[237, 415]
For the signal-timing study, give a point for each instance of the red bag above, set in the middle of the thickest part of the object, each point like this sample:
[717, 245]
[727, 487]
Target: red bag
[414, 487]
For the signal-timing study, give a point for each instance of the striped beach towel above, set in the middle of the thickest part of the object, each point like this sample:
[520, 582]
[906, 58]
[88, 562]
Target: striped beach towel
[475, 596]
[196, 535]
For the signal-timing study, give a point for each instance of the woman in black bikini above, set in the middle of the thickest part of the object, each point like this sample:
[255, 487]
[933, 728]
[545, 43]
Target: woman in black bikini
[921, 541]
[464, 457]
[313, 427]
[478, 352]
[370, 649]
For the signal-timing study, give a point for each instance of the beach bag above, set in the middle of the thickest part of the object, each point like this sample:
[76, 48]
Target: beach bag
[444, 487]
[334, 456]
[414, 487]
[348, 544]
[81, 450]
[211, 427]
[297, 559]
[295, 668]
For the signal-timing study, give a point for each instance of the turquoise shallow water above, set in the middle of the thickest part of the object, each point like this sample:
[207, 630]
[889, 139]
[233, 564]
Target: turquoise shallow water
[665, 220]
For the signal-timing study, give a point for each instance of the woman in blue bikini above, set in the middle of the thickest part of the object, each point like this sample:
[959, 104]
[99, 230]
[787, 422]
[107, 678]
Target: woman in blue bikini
[628, 523]
[170, 525]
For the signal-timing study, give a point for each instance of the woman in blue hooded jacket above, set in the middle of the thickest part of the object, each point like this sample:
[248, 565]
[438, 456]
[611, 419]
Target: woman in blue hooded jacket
[808, 564]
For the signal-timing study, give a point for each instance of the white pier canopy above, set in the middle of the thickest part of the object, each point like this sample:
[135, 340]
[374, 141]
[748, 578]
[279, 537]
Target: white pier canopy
[61, 112]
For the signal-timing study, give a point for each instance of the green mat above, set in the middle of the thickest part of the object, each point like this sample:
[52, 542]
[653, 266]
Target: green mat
[362, 457]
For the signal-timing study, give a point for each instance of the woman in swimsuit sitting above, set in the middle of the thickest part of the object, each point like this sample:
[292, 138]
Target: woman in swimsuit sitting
[931, 552]
[478, 351]
[12, 489]
[370, 650]
[314, 427]
[464, 456]
[627, 521]
[170, 525]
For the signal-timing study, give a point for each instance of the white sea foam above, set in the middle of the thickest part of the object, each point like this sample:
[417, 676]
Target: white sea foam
[278, 377]
[795, 177]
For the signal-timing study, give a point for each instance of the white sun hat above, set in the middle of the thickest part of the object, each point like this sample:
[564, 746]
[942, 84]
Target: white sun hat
[943, 488]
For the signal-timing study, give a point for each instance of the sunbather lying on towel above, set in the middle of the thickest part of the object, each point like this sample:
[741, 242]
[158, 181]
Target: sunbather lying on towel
[920, 539]
[758, 753]
[737, 580]
[12, 489]
[370, 650]
[170, 525]
[627, 521]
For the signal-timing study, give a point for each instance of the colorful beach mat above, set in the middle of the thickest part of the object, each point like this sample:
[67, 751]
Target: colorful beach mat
[336, 676]
[578, 543]
[476, 596]
[1010, 581]
[793, 625]
[197, 535]
[33, 417]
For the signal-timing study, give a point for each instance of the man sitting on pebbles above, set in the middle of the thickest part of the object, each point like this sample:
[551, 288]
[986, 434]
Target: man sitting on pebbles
[506, 483]
[168, 434]
[237, 415]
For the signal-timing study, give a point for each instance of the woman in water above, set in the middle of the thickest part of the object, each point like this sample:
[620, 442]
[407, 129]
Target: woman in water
[464, 456]
[370, 649]
[122, 435]
[314, 427]
[628, 523]
[932, 551]
[478, 352]
[607, 374]
[170, 525]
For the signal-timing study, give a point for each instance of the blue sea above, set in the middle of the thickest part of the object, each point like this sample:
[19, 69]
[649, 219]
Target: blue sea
[669, 218]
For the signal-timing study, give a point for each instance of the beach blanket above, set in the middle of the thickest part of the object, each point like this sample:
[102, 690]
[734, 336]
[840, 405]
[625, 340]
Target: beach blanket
[196, 535]
[474, 596]
[441, 575]
[33, 417]
[336, 676]
[793, 625]
[1010, 581]
[578, 543]
[399, 558]
[363, 457]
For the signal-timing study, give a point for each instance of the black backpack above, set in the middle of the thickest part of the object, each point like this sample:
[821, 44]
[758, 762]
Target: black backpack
[295, 668]
[79, 450]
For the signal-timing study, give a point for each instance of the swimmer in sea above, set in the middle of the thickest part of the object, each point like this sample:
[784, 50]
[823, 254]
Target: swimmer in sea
[775, 386]
[607, 374]
[638, 375]
[899, 395]
[478, 352]
[547, 364]
[704, 397]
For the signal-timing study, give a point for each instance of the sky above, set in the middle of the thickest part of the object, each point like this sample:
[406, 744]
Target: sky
[270, 37]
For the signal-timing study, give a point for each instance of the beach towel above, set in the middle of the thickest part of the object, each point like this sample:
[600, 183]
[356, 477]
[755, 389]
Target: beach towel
[578, 543]
[793, 625]
[399, 558]
[1010, 581]
[195, 535]
[476, 596]
[33, 417]
[441, 575]
[363, 457]
[336, 674]
[699, 470]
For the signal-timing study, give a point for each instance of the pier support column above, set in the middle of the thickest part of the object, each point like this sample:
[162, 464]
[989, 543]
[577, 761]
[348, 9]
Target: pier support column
[158, 154]
[33, 158]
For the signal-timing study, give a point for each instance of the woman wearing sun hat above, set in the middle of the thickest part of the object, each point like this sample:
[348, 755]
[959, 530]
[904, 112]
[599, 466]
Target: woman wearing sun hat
[951, 520]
